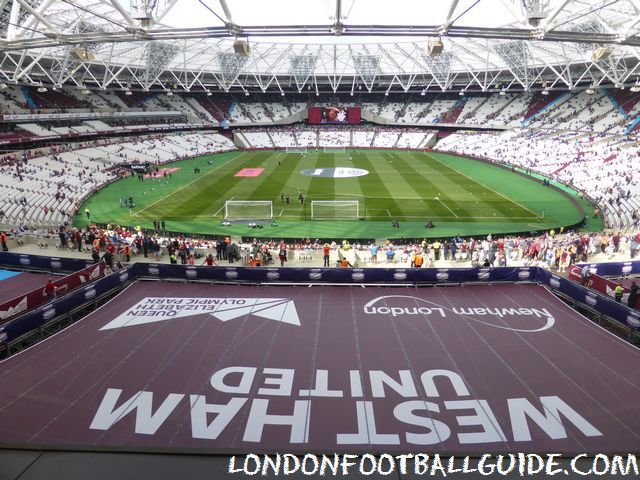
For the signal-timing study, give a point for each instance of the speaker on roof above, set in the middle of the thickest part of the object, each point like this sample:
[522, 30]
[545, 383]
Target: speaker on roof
[435, 47]
[241, 47]
[600, 53]
[82, 54]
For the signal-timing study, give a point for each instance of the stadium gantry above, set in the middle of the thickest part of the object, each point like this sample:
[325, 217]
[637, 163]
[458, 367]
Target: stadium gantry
[288, 46]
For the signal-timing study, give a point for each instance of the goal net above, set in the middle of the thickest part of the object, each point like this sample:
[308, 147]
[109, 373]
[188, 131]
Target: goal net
[296, 149]
[335, 149]
[248, 210]
[335, 210]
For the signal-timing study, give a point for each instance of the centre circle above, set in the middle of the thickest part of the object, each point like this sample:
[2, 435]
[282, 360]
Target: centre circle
[338, 172]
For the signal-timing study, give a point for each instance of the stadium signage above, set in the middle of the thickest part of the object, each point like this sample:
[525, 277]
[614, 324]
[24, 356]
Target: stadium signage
[339, 172]
[450, 414]
[401, 305]
[591, 299]
[400, 275]
[156, 309]
[315, 274]
[484, 273]
[633, 320]
[398, 407]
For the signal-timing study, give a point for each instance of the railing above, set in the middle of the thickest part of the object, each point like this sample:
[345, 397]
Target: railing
[594, 301]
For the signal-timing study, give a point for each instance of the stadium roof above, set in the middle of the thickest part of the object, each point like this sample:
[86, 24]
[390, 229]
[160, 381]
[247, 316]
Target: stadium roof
[327, 45]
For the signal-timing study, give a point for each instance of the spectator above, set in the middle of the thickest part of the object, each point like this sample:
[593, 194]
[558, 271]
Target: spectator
[282, 254]
[326, 250]
[50, 290]
[585, 275]
[633, 295]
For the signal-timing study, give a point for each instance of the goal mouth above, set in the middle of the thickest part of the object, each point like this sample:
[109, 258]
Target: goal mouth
[335, 210]
[296, 149]
[248, 211]
[336, 149]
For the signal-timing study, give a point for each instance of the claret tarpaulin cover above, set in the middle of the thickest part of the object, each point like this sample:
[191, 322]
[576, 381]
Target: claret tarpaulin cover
[177, 367]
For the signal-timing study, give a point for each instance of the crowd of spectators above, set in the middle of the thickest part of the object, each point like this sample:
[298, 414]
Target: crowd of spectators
[551, 250]
[602, 166]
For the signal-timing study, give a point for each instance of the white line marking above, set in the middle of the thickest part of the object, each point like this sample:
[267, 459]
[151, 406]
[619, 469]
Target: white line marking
[421, 217]
[219, 210]
[480, 183]
[188, 184]
[281, 212]
[445, 206]
[388, 212]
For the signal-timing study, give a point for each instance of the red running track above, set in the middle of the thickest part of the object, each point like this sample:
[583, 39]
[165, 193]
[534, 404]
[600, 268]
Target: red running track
[626, 281]
[184, 367]
[20, 284]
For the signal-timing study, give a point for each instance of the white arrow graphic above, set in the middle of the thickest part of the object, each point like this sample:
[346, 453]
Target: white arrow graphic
[158, 309]
[21, 306]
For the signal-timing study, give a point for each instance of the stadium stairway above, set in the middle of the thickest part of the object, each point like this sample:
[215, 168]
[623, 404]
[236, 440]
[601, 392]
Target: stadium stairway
[615, 102]
[633, 126]
[241, 141]
[270, 138]
[540, 103]
[30, 103]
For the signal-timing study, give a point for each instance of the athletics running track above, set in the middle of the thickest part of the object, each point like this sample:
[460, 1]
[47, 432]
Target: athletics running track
[14, 284]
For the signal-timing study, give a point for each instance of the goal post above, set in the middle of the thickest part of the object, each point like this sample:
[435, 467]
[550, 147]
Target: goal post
[248, 210]
[336, 149]
[335, 210]
[296, 149]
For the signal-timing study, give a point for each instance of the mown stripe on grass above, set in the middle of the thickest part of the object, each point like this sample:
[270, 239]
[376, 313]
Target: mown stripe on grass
[498, 200]
[283, 180]
[487, 202]
[162, 206]
[322, 188]
[205, 195]
[429, 182]
[373, 185]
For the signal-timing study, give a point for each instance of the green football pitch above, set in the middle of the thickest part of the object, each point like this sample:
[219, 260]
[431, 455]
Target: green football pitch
[461, 196]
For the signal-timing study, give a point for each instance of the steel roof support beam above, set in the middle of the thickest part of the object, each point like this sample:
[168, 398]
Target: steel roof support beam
[452, 8]
[168, 7]
[337, 26]
[302, 31]
[226, 10]
[32, 21]
[517, 16]
[629, 30]
[21, 72]
[14, 17]
[130, 21]
[38, 16]
[548, 24]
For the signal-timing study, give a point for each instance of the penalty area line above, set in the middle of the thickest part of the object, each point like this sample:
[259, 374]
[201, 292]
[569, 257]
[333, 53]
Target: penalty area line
[188, 184]
[482, 184]
[215, 214]
[219, 210]
[445, 206]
